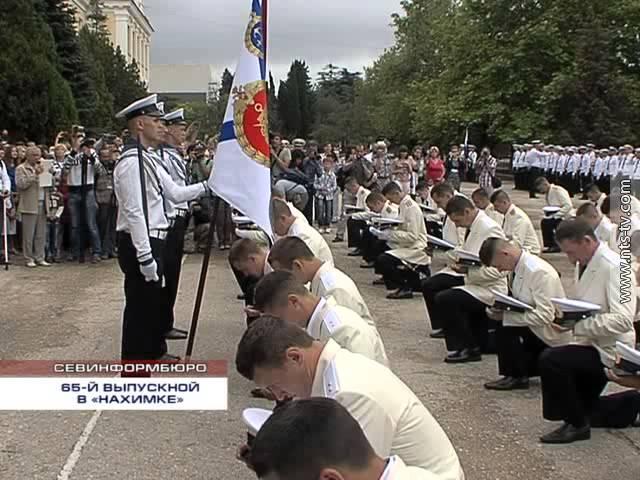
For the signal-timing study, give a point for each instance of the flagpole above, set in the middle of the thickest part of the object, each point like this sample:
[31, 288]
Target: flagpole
[265, 28]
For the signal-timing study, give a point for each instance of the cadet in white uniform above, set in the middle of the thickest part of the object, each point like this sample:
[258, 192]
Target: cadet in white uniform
[293, 255]
[142, 230]
[555, 196]
[280, 294]
[596, 196]
[626, 223]
[407, 260]
[604, 229]
[372, 246]
[463, 307]
[178, 214]
[318, 438]
[481, 200]
[278, 355]
[517, 225]
[356, 223]
[285, 224]
[523, 334]
[573, 376]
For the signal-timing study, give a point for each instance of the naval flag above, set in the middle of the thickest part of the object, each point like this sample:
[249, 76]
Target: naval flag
[242, 165]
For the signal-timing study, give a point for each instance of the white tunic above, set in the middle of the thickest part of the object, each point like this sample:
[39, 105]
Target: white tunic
[518, 228]
[392, 417]
[558, 196]
[409, 241]
[309, 235]
[397, 470]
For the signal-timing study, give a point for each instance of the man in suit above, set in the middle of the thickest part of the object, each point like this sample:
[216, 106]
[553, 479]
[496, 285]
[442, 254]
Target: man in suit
[555, 196]
[372, 246]
[604, 229]
[280, 355]
[523, 335]
[319, 439]
[573, 376]
[482, 201]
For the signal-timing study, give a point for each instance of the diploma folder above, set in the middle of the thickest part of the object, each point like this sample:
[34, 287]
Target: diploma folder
[353, 209]
[550, 211]
[440, 243]
[383, 223]
[509, 304]
[574, 311]
[468, 259]
[628, 359]
[241, 220]
[428, 209]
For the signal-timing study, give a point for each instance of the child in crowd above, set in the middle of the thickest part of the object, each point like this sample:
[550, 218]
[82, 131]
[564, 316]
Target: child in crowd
[326, 186]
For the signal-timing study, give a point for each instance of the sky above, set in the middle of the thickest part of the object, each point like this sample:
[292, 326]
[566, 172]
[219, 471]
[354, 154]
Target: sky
[347, 33]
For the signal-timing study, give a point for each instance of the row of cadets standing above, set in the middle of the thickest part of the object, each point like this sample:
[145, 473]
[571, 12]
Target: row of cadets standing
[142, 189]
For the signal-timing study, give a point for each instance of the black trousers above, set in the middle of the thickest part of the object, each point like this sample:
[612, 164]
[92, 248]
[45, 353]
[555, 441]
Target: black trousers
[572, 380]
[548, 227]
[619, 410]
[434, 228]
[533, 174]
[398, 275]
[355, 229]
[174, 251]
[519, 350]
[145, 304]
[605, 184]
[466, 324]
[372, 247]
[433, 286]
[107, 215]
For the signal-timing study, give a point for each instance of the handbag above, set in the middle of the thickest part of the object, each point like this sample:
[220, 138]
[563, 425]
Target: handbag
[496, 182]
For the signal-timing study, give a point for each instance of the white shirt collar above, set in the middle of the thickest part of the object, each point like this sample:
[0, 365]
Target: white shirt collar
[316, 317]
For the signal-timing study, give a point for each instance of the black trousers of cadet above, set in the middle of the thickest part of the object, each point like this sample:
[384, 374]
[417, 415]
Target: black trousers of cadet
[548, 227]
[398, 275]
[433, 228]
[572, 380]
[533, 174]
[372, 247]
[619, 410]
[433, 286]
[519, 350]
[466, 324]
[174, 251]
[247, 285]
[605, 184]
[145, 307]
[355, 229]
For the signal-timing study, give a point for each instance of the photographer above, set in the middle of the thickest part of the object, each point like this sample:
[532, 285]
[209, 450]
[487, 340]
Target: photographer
[79, 171]
[107, 208]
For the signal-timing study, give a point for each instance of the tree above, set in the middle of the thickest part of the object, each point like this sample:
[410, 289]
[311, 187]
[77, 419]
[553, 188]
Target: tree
[274, 117]
[296, 101]
[35, 99]
[96, 19]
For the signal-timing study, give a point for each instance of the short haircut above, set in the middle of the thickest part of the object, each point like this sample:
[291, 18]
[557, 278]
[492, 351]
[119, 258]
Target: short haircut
[275, 287]
[288, 249]
[489, 248]
[351, 181]
[480, 192]
[611, 203]
[587, 209]
[442, 189]
[500, 195]
[421, 186]
[375, 197]
[592, 188]
[574, 230]
[265, 344]
[457, 206]
[280, 208]
[303, 437]
[391, 187]
[540, 181]
[242, 249]
[297, 154]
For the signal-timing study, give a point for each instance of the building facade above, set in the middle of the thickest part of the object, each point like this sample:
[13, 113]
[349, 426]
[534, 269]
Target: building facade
[129, 28]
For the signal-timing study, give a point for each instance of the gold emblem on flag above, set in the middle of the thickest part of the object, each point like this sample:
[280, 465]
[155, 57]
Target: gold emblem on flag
[250, 121]
[253, 36]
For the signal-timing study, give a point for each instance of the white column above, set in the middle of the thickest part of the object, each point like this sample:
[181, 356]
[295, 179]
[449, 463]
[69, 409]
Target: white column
[122, 33]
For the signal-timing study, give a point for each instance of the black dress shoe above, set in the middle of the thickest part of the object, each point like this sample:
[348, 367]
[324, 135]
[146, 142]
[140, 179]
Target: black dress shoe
[438, 333]
[355, 253]
[241, 296]
[262, 393]
[378, 281]
[368, 265]
[167, 357]
[401, 294]
[337, 240]
[508, 383]
[464, 356]
[567, 434]
[176, 334]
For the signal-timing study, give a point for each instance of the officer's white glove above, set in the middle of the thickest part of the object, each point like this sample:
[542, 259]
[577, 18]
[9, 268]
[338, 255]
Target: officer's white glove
[149, 270]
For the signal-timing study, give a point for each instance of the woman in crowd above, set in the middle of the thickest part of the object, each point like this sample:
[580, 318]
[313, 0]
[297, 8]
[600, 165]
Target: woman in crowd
[454, 166]
[434, 166]
[486, 168]
[403, 170]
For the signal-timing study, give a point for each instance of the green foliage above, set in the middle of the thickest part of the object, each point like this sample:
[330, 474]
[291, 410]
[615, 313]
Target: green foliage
[34, 98]
[296, 102]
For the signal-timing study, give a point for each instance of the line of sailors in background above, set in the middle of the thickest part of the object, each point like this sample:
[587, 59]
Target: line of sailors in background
[576, 167]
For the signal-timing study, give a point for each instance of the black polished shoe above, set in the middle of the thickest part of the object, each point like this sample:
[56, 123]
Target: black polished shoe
[567, 434]
[176, 334]
[378, 281]
[438, 333]
[241, 296]
[368, 265]
[167, 357]
[355, 253]
[401, 294]
[337, 240]
[508, 383]
[464, 356]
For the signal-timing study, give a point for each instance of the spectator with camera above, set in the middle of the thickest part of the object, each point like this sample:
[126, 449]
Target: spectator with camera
[107, 208]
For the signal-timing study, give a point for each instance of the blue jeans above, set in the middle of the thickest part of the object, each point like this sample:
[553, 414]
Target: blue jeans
[324, 211]
[83, 218]
[51, 240]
